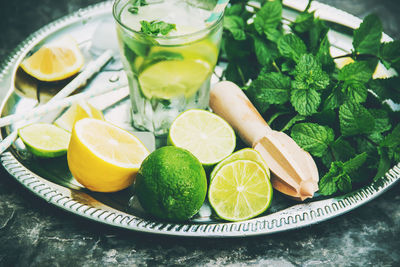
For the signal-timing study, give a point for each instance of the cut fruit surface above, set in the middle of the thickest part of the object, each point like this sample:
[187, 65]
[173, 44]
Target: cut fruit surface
[104, 157]
[55, 61]
[245, 153]
[240, 190]
[77, 112]
[206, 135]
[173, 78]
[45, 140]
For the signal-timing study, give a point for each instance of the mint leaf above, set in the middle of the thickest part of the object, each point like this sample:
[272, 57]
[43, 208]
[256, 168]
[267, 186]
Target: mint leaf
[355, 119]
[382, 122]
[313, 137]
[353, 164]
[386, 88]
[358, 71]
[356, 92]
[338, 176]
[327, 184]
[389, 54]
[316, 35]
[270, 88]
[340, 150]
[324, 56]
[384, 163]
[235, 25]
[334, 99]
[367, 38]
[304, 22]
[291, 46]
[264, 51]
[392, 139]
[269, 16]
[156, 27]
[305, 102]
[309, 74]
[344, 183]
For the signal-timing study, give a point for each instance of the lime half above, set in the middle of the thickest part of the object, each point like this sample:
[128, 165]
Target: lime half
[173, 78]
[45, 140]
[240, 190]
[245, 153]
[206, 135]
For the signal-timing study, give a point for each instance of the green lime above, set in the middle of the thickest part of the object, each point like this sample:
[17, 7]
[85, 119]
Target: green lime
[240, 190]
[173, 78]
[245, 153]
[206, 135]
[45, 140]
[171, 184]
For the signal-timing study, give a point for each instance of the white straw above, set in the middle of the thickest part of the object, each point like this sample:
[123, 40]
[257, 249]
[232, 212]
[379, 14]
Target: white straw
[57, 104]
[92, 68]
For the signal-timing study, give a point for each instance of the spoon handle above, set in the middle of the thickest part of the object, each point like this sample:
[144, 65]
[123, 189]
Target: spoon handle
[217, 11]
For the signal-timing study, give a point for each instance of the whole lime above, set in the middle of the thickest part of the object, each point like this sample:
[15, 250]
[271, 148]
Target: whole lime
[171, 184]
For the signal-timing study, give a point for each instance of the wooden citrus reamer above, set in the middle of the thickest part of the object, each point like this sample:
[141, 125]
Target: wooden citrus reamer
[294, 170]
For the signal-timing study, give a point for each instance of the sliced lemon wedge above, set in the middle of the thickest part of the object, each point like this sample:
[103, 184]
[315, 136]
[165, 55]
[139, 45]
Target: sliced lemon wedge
[104, 157]
[55, 61]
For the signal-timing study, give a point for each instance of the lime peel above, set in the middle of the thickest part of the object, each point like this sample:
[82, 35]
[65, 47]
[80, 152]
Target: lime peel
[240, 190]
[45, 140]
[206, 135]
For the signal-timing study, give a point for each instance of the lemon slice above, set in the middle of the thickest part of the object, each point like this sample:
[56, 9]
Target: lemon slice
[245, 153]
[173, 78]
[240, 190]
[45, 140]
[55, 61]
[77, 112]
[104, 157]
[206, 135]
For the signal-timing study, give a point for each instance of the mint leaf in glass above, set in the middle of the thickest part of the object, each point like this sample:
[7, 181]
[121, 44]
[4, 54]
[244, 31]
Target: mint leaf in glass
[156, 27]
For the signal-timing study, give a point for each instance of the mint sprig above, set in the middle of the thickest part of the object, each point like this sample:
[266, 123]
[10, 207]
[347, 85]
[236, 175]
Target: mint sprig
[338, 115]
[156, 27]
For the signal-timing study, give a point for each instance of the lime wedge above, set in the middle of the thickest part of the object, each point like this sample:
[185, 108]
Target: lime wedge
[240, 190]
[206, 135]
[173, 78]
[45, 140]
[245, 153]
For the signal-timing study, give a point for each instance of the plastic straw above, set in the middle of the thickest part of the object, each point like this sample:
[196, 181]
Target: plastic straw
[217, 12]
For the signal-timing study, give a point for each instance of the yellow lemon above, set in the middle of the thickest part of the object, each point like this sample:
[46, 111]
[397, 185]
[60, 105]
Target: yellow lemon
[77, 112]
[104, 157]
[55, 61]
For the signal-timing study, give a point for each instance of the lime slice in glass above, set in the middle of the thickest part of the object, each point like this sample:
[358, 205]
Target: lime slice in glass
[206, 135]
[173, 78]
[45, 140]
[245, 153]
[240, 190]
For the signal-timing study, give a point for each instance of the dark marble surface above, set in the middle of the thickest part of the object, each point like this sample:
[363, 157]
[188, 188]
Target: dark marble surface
[34, 233]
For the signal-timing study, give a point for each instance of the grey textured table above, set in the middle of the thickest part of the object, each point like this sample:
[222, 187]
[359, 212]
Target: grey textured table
[34, 233]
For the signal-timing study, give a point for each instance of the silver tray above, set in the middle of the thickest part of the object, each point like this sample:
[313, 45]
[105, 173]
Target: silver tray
[52, 181]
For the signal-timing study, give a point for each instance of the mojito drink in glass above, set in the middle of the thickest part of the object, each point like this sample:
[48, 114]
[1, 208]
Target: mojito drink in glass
[169, 53]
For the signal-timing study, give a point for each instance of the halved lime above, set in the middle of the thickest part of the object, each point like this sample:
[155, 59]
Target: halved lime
[245, 153]
[45, 140]
[173, 78]
[240, 190]
[206, 135]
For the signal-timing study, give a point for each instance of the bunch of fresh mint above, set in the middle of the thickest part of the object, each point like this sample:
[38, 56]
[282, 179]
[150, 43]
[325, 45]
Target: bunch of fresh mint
[340, 116]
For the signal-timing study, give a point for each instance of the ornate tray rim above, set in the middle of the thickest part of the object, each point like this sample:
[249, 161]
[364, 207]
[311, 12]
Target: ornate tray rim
[297, 216]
